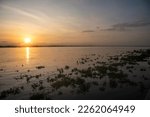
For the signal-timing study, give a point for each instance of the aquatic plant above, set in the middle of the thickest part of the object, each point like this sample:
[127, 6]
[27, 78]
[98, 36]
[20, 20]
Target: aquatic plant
[60, 70]
[138, 56]
[84, 88]
[63, 82]
[1, 69]
[11, 91]
[40, 67]
[67, 67]
[86, 72]
[102, 70]
[117, 75]
[38, 85]
[143, 69]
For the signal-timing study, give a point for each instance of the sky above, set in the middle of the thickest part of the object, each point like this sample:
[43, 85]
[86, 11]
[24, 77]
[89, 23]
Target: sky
[100, 22]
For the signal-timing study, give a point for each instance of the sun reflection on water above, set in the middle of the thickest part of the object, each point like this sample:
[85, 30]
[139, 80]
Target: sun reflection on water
[27, 54]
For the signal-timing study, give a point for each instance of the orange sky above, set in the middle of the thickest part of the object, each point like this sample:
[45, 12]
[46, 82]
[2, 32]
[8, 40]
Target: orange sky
[75, 22]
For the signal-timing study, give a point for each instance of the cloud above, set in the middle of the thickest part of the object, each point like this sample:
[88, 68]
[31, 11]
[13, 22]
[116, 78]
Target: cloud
[88, 31]
[135, 24]
[22, 12]
[127, 25]
[121, 26]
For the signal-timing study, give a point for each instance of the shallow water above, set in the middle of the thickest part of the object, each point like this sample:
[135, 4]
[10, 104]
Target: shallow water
[30, 69]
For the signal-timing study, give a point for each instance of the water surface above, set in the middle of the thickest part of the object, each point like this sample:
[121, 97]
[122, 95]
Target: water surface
[73, 73]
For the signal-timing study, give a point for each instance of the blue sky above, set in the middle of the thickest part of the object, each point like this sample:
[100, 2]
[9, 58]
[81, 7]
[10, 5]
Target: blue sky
[104, 22]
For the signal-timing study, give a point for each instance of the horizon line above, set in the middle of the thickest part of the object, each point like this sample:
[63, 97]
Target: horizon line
[15, 46]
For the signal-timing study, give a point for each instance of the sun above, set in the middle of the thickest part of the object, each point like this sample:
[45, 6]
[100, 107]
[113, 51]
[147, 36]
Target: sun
[27, 40]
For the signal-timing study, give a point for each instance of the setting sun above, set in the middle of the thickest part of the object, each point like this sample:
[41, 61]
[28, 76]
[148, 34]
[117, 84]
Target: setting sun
[27, 40]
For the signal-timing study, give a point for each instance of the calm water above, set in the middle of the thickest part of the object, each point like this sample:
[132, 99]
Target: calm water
[27, 73]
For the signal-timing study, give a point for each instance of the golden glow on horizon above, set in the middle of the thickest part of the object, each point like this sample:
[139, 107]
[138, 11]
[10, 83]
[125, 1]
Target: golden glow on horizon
[27, 40]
